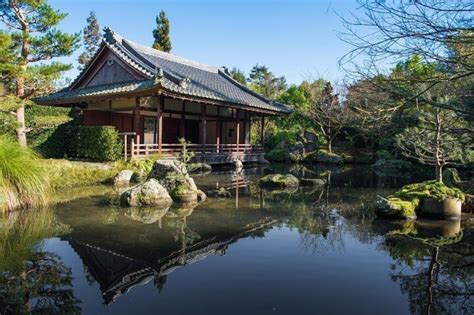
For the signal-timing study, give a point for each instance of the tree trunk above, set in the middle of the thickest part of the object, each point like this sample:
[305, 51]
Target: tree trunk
[437, 158]
[20, 88]
[329, 145]
[20, 114]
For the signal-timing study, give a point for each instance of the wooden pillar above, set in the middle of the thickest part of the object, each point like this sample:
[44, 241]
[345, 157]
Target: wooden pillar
[204, 126]
[181, 124]
[237, 129]
[159, 122]
[136, 119]
[262, 123]
[218, 130]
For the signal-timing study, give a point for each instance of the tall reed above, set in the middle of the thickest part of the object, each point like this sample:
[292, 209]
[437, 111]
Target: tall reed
[23, 182]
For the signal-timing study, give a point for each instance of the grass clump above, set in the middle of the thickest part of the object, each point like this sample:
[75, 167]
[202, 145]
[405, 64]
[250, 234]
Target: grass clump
[65, 174]
[22, 177]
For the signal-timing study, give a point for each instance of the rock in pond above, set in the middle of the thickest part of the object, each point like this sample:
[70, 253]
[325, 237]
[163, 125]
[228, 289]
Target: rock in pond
[279, 180]
[200, 168]
[123, 178]
[173, 175]
[149, 193]
[219, 193]
[447, 209]
[312, 182]
[395, 208]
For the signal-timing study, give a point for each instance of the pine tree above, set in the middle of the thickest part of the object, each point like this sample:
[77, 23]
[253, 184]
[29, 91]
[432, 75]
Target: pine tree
[263, 81]
[238, 75]
[92, 39]
[34, 31]
[162, 33]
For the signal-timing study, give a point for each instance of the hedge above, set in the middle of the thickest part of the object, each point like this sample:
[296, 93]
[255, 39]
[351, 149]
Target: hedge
[101, 143]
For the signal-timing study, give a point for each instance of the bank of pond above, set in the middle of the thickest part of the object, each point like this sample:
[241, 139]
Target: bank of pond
[272, 246]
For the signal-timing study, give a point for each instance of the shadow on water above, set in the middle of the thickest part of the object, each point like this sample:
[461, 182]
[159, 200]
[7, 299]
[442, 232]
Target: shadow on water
[324, 232]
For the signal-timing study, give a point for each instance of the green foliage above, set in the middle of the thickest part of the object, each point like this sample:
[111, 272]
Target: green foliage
[97, 143]
[48, 129]
[22, 176]
[278, 155]
[284, 138]
[162, 33]
[238, 75]
[451, 177]
[92, 39]
[264, 82]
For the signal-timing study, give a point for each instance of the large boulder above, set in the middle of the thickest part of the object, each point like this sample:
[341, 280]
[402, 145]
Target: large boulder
[431, 198]
[446, 209]
[279, 180]
[123, 178]
[149, 193]
[174, 176]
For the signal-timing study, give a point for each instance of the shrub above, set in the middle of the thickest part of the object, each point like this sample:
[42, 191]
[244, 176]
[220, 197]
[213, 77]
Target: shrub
[323, 156]
[22, 180]
[49, 127]
[98, 143]
[278, 155]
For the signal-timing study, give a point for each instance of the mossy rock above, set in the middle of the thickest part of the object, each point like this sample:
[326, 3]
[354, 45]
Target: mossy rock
[406, 202]
[396, 208]
[279, 180]
[278, 155]
[430, 189]
[323, 156]
[149, 193]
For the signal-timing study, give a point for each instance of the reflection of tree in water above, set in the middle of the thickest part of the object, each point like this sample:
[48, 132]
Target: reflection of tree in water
[183, 235]
[441, 277]
[31, 280]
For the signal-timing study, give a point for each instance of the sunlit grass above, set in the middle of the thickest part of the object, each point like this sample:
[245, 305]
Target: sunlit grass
[23, 180]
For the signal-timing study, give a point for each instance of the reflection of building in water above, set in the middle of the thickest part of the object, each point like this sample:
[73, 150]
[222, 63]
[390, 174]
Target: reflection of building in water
[117, 272]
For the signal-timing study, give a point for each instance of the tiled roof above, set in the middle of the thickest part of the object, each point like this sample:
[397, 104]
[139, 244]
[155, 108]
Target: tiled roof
[176, 74]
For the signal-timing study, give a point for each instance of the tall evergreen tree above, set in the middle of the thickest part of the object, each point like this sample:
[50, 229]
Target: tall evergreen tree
[263, 81]
[238, 75]
[162, 33]
[91, 37]
[33, 24]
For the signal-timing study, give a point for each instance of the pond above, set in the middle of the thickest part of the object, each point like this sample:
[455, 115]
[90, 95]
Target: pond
[305, 251]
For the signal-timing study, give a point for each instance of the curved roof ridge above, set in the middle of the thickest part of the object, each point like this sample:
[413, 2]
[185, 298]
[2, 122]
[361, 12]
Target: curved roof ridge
[170, 56]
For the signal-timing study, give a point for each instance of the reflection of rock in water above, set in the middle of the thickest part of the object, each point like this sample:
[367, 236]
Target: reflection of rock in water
[146, 215]
[117, 273]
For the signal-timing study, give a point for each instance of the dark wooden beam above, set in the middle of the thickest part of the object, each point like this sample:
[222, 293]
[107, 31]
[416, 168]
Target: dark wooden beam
[181, 124]
[136, 118]
[159, 119]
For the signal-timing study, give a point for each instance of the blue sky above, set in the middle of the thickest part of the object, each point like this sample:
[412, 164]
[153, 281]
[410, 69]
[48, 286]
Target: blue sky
[294, 38]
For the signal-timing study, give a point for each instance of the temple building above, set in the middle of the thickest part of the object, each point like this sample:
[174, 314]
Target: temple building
[154, 98]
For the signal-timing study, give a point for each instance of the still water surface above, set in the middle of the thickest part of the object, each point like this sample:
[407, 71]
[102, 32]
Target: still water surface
[308, 251]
